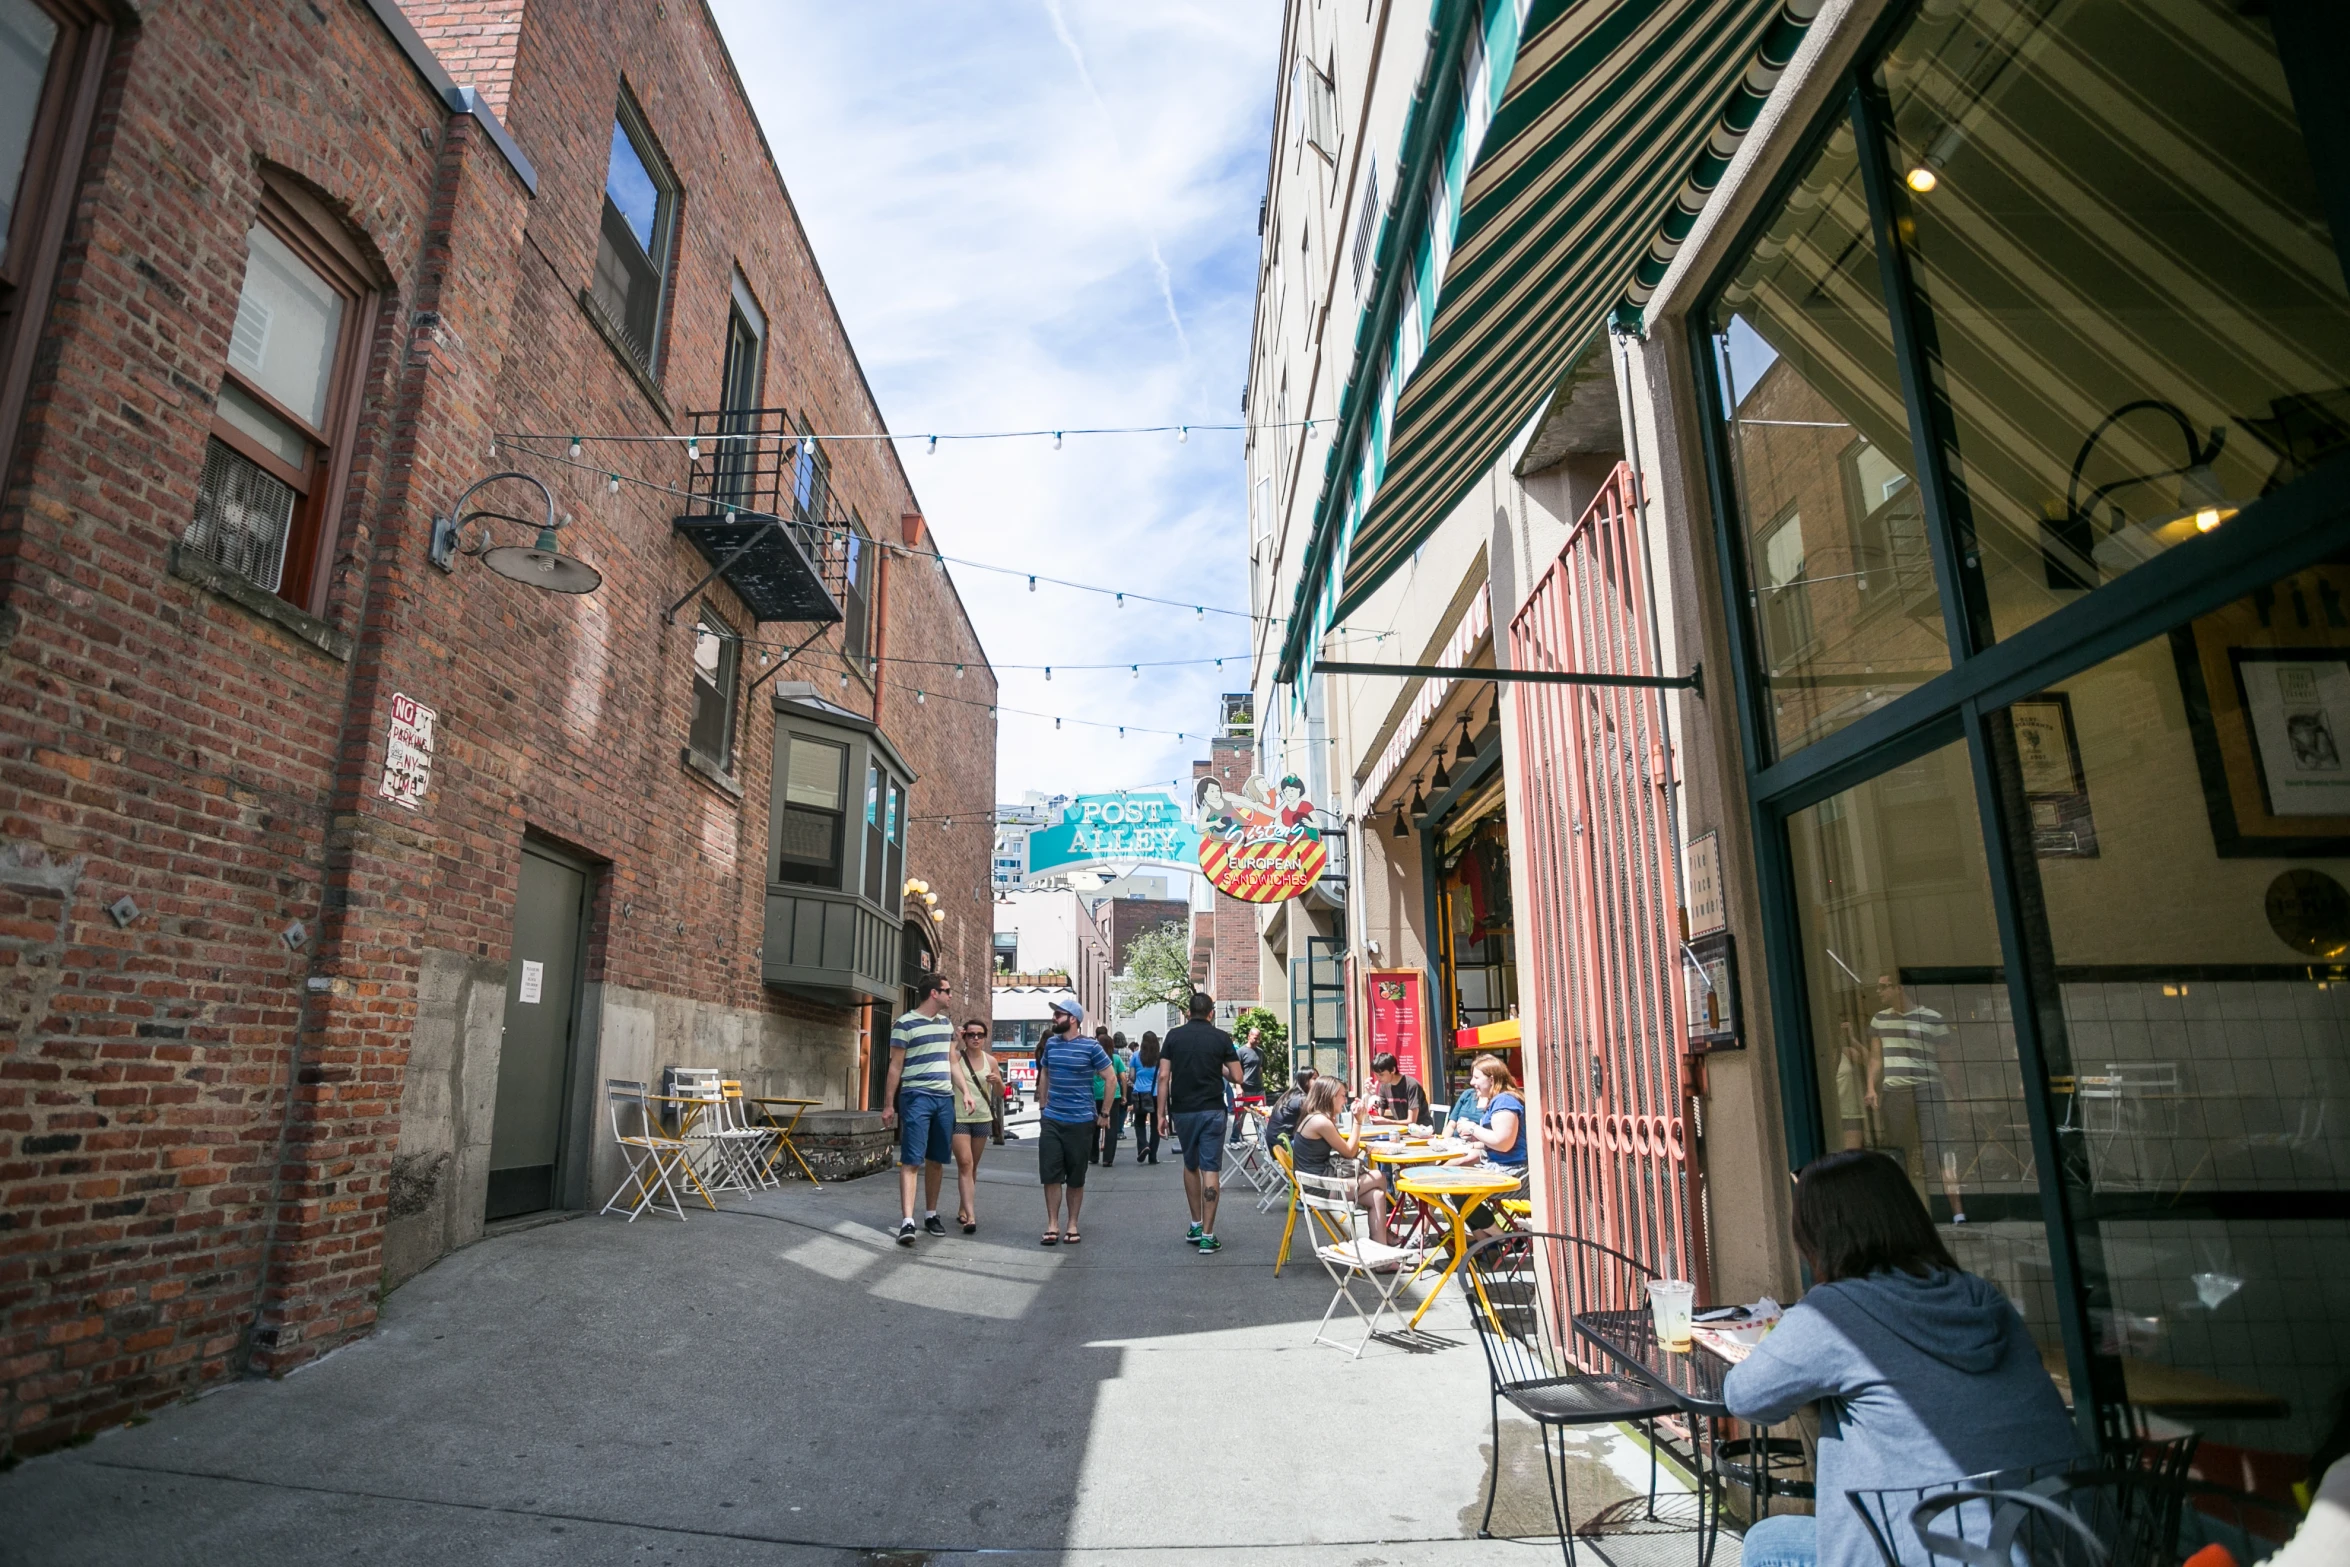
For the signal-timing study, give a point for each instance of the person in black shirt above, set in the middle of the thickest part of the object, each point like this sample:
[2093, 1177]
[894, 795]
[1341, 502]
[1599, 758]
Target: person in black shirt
[1393, 1095]
[1195, 1062]
[1292, 1108]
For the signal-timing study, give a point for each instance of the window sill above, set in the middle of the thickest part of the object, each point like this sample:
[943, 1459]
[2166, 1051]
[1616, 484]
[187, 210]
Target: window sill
[711, 773]
[627, 357]
[189, 566]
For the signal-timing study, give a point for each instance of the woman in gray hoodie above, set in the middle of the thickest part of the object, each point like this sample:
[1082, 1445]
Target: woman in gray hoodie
[1922, 1372]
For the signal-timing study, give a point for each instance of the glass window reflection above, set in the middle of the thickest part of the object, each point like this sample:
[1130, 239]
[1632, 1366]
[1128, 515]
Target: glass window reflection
[1838, 570]
[2135, 312]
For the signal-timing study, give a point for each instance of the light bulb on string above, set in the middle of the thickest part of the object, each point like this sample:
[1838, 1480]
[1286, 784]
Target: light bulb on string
[1199, 611]
[933, 452]
[693, 448]
[958, 671]
[1056, 440]
[612, 486]
[1032, 584]
[1056, 723]
[1048, 671]
[1182, 434]
[1121, 601]
[920, 698]
[575, 448]
[1134, 671]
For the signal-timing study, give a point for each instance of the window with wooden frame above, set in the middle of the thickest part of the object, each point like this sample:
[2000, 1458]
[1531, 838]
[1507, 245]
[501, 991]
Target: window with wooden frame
[52, 64]
[280, 443]
[634, 243]
[717, 656]
[856, 630]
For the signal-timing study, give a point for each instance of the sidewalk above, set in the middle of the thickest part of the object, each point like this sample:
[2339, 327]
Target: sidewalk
[779, 1382]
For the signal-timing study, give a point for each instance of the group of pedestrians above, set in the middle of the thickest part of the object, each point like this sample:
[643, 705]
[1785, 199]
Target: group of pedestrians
[944, 1096]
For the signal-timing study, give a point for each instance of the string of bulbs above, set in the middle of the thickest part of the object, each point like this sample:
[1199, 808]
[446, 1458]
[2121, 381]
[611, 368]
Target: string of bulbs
[613, 479]
[1181, 432]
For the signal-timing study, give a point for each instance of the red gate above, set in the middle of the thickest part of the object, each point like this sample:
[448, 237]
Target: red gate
[1593, 768]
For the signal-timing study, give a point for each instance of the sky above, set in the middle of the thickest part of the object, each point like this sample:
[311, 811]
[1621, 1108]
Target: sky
[1041, 214]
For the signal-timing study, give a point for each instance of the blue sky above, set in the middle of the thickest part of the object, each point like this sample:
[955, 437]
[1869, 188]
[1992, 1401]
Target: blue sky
[1042, 213]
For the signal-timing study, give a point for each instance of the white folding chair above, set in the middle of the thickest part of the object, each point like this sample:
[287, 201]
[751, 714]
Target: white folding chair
[1357, 1257]
[655, 1159]
[754, 1144]
[714, 1154]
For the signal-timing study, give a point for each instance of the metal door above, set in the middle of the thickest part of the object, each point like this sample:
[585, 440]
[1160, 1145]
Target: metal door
[534, 1048]
[1594, 765]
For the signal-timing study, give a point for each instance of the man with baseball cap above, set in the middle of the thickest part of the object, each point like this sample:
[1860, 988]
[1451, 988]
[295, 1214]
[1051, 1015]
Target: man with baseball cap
[1069, 1115]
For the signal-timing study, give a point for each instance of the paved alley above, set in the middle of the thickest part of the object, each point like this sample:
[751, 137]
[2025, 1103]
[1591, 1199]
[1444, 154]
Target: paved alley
[780, 1383]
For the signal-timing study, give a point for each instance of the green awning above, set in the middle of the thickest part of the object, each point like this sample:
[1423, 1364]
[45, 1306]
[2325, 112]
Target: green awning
[1617, 121]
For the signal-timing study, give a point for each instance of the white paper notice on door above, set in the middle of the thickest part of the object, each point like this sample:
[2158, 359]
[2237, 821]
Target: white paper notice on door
[534, 980]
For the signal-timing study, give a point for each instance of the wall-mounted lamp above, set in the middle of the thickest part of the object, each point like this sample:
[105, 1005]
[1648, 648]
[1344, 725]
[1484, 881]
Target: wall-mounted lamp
[542, 564]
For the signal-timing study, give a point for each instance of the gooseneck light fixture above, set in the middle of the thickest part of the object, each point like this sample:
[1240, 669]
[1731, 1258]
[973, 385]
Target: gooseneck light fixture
[541, 564]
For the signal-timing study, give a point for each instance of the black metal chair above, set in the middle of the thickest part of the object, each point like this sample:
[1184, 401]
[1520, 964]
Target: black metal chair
[1525, 1289]
[2118, 1510]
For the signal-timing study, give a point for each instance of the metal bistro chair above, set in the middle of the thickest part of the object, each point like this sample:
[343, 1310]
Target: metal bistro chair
[2121, 1510]
[1525, 1289]
[1332, 1197]
[715, 1151]
[655, 1159]
[1296, 1207]
[753, 1142]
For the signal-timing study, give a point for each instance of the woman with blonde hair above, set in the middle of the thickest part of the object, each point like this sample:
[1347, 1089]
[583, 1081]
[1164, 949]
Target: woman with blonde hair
[1318, 1145]
[1498, 1136]
[979, 1091]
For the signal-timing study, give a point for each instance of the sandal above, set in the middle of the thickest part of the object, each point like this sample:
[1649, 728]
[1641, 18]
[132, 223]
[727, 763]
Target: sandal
[970, 1226]
[1051, 1238]
[1070, 1237]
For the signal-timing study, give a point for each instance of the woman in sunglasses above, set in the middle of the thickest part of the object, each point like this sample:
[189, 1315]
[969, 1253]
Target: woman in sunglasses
[979, 1089]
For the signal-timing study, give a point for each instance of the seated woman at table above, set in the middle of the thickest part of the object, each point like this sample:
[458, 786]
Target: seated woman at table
[1922, 1372]
[1319, 1140]
[1497, 1137]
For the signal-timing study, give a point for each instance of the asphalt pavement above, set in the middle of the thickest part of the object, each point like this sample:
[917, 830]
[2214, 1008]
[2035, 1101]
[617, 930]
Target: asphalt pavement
[779, 1382]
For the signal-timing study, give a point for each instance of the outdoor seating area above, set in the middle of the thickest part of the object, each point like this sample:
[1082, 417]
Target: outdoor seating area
[706, 1138]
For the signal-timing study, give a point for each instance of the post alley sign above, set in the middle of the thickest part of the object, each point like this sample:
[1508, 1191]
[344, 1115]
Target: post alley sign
[1259, 844]
[1111, 829]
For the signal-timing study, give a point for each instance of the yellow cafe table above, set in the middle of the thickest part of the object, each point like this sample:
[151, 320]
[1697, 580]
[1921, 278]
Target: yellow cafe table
[1455, 1189]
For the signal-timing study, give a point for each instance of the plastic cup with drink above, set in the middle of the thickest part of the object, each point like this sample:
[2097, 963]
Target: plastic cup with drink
[1669, 1305]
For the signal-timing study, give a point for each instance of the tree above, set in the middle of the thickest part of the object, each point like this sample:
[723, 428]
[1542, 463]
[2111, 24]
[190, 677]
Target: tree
[1272, 1044]
[1158, 968]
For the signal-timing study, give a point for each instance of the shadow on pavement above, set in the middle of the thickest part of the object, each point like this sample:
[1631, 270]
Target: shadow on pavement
[781, 1382]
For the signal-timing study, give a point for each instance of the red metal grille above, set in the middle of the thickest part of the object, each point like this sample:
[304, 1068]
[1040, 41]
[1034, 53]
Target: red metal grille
[1605, 990]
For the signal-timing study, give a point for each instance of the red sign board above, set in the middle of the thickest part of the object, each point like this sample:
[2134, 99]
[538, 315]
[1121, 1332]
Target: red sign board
[1396, 1011]
[1259, 844]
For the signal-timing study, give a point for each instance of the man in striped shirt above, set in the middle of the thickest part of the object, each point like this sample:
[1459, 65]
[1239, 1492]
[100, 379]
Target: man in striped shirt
[1907, 1090]
[920, 1099]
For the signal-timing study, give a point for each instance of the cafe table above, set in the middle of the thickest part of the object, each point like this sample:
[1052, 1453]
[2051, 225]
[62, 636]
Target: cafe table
[1691, 1378]
[1453, 1188]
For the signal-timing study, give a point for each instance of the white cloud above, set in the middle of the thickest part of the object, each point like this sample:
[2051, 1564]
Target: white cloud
[1044, 216]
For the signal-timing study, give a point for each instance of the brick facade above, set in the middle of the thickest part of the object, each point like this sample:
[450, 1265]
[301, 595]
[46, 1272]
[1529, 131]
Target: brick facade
[201, 1103]
[1228, 937]
[1130, 917]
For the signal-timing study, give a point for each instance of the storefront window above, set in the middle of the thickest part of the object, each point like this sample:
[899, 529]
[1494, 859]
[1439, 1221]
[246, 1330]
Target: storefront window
[2135, 314]
[1912, 1035]
[1479, 929]
[2187, 805]
[1838, 573]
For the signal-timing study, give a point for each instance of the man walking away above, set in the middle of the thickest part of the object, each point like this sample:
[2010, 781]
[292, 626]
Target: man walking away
[1069, 1071]
[920, 1098]
[1194, 1065]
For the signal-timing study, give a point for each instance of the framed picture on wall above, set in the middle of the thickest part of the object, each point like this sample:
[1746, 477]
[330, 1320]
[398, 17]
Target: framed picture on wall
[2048, 755]
[2267, 687]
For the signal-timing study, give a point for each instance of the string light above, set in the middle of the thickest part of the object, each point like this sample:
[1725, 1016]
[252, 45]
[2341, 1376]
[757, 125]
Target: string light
[575, 446]
[1182, 434]
[1121, 601]
[920, 697]
[1048, 671]
[1135, 671]
[1056, 440]
[933, 452]
[693, 448]
[1032, 584]
[613, 486]
[958, 671]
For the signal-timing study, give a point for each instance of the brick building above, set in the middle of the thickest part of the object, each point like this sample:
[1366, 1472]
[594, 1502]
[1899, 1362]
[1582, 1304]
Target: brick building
[332, 884]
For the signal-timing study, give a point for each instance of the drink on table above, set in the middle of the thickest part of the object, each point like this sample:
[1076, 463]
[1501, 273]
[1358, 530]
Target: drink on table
[1669, 1303]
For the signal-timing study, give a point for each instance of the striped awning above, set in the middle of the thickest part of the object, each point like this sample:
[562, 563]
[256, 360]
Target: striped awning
[1618, 119]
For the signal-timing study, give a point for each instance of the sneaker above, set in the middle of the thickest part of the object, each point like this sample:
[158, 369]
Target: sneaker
[905, 1232]
[1191, 1236]
[933, 1225]
[1209, 1243]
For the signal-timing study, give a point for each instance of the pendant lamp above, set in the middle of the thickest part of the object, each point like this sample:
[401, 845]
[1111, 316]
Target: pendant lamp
[1440, 779]
[1467, 747]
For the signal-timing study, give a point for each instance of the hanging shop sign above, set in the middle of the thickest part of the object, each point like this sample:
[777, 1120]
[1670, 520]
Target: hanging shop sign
[1114, 829]
[1257, 843]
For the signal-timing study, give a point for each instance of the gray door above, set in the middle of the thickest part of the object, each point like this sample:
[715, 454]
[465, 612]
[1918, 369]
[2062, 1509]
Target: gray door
[534, 1055]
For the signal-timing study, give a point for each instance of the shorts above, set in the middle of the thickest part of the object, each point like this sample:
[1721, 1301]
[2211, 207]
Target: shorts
[926, 1127]
[1063, 1150]
[984, 1128]
[1202, 1134]
[1913, 1125]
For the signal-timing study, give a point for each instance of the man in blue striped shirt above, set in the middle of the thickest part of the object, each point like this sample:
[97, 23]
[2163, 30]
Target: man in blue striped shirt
[920, 1098]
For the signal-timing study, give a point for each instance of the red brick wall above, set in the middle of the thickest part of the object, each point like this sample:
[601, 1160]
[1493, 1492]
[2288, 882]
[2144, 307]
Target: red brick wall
[474, 40]
[1130, 917]
[196, 1121]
